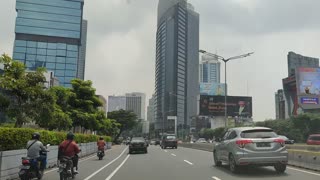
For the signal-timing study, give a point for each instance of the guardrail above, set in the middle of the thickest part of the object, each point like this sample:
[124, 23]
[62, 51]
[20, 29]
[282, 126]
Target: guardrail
[305, 156]
[11, 160]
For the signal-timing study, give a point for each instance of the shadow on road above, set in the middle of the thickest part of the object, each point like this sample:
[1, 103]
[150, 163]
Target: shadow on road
[252, 172]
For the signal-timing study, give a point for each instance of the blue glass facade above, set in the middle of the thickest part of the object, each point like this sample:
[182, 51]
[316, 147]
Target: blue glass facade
[48, 34]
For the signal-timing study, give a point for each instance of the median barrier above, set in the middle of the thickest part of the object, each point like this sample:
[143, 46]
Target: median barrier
[304, 156]
[11, 160]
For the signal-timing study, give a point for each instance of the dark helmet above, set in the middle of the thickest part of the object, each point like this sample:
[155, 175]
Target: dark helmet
[101, 138]
[36, 135]
[70, 136]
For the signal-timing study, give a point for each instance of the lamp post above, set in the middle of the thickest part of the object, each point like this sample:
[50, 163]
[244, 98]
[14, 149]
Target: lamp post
[225, 75]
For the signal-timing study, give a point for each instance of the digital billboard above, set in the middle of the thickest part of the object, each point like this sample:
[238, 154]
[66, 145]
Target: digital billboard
[308, 81]
[237, 106]
[212, 89]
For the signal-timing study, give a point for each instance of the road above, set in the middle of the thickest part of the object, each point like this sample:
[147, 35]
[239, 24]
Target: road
[169, 164]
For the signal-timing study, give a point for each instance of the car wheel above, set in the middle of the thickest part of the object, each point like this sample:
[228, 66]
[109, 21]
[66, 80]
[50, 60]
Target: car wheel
[280, 168]
[215, 158]
[146, 151]
[176, 147]
[130, 151]
[232, 164]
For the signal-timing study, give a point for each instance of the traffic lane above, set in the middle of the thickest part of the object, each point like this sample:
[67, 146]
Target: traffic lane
[204, 160]
[156, 165]
[88, 165]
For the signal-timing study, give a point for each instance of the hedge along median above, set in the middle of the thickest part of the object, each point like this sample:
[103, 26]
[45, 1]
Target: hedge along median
[17, 138]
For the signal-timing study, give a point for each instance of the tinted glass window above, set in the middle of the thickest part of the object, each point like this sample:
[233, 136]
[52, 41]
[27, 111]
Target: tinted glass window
[258, 133]
[171, 137]
[314, 138]
[232, 135]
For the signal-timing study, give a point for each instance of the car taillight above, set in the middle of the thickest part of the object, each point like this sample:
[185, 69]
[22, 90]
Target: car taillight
[241, 143]
[280, 141]
[25, 161]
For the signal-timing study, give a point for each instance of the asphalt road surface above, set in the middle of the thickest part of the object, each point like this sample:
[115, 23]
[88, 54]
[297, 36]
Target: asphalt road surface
[170, 164]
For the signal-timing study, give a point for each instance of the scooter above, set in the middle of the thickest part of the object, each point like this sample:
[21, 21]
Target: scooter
[66, 170]
[100, 154]
[30, 168]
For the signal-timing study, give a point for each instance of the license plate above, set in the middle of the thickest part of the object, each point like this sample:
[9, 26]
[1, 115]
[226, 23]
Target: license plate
[263, 144]
[24, 167]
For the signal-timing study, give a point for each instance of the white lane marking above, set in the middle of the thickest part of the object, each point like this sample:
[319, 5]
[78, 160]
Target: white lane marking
[215, 178]
[308, 172]
[117, 169]
[188, 162]
[90, 157]
[173, 155]
[93, 174]
[165, 151]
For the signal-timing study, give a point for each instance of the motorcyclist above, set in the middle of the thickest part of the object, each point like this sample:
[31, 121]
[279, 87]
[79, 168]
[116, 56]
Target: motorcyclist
[34, 147]
[101, 144]
[70, 148]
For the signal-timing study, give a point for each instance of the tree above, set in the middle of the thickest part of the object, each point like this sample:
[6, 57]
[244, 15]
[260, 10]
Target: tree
[29, 101]
[126, 119]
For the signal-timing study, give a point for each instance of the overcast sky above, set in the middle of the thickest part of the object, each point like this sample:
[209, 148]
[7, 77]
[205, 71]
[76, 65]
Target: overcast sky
[121, 42]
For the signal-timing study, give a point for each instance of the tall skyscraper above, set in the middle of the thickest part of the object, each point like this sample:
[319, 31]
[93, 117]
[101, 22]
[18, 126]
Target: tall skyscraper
[82, 52]
[136, 102]
[151, 109]
[209, 70]
[297, 60]
[280, 104]
[116, 103]
[177, 62]
[48, 33]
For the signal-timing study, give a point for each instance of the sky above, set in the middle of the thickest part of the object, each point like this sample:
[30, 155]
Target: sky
[121, 43]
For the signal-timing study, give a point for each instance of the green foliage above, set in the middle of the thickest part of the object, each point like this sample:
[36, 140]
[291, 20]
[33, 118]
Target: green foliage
[126, 119]
[17, 138]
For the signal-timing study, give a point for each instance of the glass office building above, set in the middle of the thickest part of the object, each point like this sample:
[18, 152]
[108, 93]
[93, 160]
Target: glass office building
[48, 34]
[177, 62]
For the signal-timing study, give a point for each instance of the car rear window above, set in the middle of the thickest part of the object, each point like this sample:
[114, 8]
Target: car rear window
[171, 137]
[314, 138]
[258, 133]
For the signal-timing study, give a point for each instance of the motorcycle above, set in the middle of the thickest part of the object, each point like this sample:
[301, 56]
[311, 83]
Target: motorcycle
[100, 154]
[66, 170]
[30, 168]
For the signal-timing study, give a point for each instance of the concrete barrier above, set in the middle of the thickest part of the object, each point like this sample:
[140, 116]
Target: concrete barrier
[11, 160]
[304, 156]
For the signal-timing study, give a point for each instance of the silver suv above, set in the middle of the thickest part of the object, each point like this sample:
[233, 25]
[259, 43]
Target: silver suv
[258, 146]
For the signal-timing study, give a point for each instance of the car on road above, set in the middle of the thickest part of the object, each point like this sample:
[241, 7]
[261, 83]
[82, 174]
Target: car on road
[152, 142]
[313, 139]
[201, 140]
[286, 140]
[157, 142]
[169, 141]
[251, 146]
[138, 144]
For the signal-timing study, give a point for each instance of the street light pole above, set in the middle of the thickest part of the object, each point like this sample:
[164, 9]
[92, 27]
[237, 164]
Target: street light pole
[225, 76]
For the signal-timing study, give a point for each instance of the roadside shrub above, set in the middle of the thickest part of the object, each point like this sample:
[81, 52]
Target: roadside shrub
[17, 138]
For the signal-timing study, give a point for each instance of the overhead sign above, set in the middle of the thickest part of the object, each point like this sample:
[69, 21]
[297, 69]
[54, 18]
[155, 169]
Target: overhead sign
[307, 100]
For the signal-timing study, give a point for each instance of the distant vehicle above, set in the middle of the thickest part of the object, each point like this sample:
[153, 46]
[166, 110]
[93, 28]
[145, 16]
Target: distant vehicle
[157, 142]
[286, 140]
[169, 141]
[201, 140]
[256, 146]
[138, 144]
[152, 142]
[313, 139]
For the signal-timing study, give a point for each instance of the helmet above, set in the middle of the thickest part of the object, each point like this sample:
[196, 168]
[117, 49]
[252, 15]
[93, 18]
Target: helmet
[101, 138]
[70, 136]
[36, 135]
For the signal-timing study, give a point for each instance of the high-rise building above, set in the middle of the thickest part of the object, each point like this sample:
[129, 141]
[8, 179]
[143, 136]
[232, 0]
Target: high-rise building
[136, 102]
[82, 51]
[297, 60]
[48, 33]
[150, 110]
[177, 62]
[280, 104]
[116, 103]
[209, 70]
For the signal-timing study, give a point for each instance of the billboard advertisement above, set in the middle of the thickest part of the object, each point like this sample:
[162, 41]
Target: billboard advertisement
[237, 106]
[212, 89]
[308, 81]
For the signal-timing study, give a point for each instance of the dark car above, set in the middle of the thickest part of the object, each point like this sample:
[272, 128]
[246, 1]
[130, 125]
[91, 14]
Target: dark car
[138, 144]
[313, 139]
[169, 141]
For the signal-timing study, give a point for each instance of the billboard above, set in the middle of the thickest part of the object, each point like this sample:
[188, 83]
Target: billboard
[237, 106]
[308, 81]
[212, 89]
